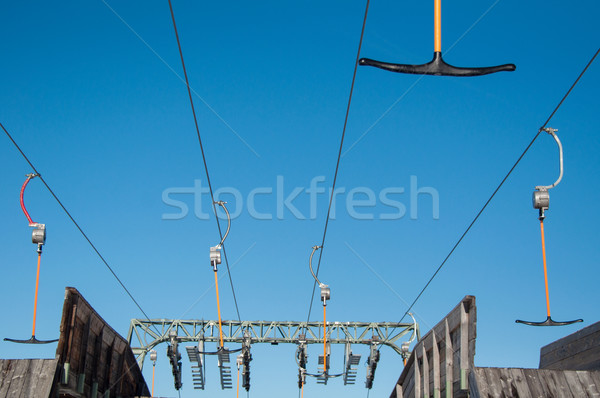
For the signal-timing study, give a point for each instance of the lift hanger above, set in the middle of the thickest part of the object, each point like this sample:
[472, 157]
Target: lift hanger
[38, 236]
[437, 66]
[541, 201]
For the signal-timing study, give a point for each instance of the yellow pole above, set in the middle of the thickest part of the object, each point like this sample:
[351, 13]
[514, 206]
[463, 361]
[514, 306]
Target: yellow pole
[219, 309]
[37, 282]
[437, 16]
[238, 382]
[153, 369]
[545, 269]
[324, 338]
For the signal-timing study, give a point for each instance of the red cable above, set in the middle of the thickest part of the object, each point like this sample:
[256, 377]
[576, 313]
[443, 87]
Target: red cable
[23, 204]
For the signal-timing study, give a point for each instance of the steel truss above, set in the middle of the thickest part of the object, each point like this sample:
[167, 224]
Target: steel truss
[145, 334]
[142, 336]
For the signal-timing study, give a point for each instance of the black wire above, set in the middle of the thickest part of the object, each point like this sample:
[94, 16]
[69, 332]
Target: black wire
[499, 186]
[76, 224]
[337, 165]
[187, 83]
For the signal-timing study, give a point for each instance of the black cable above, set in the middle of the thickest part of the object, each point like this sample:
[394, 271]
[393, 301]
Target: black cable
[187, 83]
[500, 185]
[337, 165]
[76, 224]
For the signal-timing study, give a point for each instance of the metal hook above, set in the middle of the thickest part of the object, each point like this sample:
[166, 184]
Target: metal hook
[222, 204]
[315, 248]
[325, 291]
[552, 132]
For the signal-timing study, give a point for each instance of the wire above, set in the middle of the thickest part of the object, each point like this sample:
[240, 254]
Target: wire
[337, 166]
[76, 224]
[500, 185]
[187, 83]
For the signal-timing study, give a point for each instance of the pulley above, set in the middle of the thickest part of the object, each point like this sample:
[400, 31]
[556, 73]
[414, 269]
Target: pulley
[437, 66]
[541, 201]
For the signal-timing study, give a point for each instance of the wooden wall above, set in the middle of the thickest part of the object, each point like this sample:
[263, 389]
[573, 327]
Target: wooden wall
[533, 383]
[578, 351]
[93, 358]
[27, 378]
[441, 361]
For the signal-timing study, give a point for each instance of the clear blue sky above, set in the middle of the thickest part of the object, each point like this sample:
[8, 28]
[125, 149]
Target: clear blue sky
[108, 124]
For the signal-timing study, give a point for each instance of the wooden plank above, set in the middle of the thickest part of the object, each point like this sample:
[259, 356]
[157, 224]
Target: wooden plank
[399, 391]
[533, 379]
[449, 360]
[574, 337]
[417, 380]
[29, 384]
[473, 388]
[578, 351]
[18, 379]
[8, 369]
[436, 367]
[545, 383]
[519, 383]
[560, 384]
[572, 381]
[495, 382]
[588, 384]
[44, 374]
[425, 373]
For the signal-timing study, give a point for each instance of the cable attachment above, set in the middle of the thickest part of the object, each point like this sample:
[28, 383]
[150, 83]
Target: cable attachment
[38, 235]
[405, 347]
[215, 251]
[541, 196]
[325, 291]
[215, 257]
[222, 204]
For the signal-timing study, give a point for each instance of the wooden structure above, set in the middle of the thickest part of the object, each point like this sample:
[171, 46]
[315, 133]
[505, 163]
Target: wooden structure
[28, 377]
[93, 358]
[442, 365]
[440, 362]
[530, 383]
[92, 361]
[578, 351]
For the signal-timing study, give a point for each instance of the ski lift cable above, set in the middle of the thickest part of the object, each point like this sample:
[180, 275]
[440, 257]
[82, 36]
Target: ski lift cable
[187, 83]
[337, 166]
[541, 129]
[75, 223]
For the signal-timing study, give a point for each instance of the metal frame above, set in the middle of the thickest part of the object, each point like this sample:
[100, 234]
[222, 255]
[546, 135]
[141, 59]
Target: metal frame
[143, 337]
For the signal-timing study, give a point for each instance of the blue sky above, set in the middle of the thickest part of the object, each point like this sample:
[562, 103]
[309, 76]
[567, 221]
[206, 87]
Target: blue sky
[108, 124]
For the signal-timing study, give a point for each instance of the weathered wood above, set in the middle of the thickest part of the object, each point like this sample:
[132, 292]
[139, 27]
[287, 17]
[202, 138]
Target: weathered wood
[533, 383]
[448, 361]
[95, 354]
[578, 351]
[24, 378]
[574, 384]
[588, 384]
[441, 360]
[425, 372]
